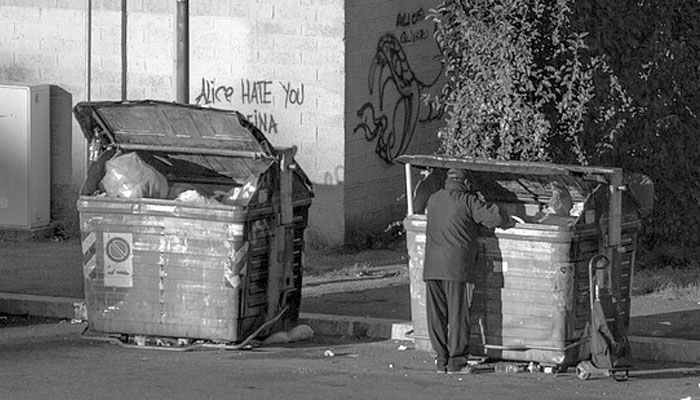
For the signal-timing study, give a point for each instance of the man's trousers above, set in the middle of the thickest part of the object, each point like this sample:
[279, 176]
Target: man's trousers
[448, 304]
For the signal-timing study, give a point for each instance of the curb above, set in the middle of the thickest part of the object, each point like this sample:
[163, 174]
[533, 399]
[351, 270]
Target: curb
[41, 306]
[339, 325]
[664, 349]
[643, 348]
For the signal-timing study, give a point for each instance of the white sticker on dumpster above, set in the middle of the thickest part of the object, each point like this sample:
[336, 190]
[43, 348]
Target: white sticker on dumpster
[118, 256]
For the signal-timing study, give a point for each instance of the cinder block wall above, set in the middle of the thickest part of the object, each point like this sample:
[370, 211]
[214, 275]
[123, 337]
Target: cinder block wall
[280, 62]
[391, 60]
[306, 72]
[41, 43]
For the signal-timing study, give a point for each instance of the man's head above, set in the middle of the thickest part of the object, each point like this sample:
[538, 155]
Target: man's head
[456, 175]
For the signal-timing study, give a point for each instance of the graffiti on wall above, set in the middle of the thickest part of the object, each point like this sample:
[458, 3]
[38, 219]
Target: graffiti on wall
[396, 108]
[252, 93]
[409, 24]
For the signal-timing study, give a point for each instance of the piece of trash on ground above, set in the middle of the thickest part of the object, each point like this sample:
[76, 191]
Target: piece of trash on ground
[687, 398]
[402, 348]
[664, 323]
[328, 353]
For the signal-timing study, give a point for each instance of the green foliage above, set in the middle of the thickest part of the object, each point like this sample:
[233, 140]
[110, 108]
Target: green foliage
[588, 82]
[654, 46]
[522, 85]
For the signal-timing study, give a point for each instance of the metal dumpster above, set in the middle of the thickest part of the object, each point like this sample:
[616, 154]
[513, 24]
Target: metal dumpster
[206, 270]
[531, 301]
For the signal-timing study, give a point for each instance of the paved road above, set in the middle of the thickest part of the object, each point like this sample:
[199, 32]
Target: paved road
[52, 362]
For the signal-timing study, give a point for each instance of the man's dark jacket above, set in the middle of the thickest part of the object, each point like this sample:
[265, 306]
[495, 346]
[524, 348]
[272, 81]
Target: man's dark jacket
[454, 215]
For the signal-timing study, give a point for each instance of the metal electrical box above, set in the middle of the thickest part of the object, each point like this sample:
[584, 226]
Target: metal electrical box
[24, 156]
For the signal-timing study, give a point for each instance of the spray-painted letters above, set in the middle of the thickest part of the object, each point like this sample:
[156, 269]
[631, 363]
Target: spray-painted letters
[411, 33]
[252, 92]
[212, 94]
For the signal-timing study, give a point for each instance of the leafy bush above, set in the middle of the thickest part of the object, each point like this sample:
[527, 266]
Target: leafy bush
[522, 85]
[654, 46]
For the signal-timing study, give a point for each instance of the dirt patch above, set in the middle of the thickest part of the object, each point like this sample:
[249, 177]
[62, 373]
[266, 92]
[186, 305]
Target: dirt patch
[349, 261]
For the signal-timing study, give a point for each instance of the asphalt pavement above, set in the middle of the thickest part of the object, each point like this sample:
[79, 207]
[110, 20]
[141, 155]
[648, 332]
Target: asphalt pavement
[51, 361]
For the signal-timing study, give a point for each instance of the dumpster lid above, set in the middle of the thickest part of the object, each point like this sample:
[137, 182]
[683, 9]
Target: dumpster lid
[507, 166]
[165, 126]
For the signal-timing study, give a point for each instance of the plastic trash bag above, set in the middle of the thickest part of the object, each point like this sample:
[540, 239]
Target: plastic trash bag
[193, 197]
[127, 175]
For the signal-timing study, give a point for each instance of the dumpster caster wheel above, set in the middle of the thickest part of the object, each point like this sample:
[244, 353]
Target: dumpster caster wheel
[620, 376]
[552, 370]
[582, 373]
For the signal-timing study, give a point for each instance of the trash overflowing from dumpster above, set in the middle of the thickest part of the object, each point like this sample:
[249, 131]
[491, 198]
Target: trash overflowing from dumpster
[192, 226]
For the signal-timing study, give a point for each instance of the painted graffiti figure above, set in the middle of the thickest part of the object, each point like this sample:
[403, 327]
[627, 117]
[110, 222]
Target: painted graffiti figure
[392, 124]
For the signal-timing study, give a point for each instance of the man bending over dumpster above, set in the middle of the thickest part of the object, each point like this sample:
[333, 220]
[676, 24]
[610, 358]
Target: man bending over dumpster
[454, 214]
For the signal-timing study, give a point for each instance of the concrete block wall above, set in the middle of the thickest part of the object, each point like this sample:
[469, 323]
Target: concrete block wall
[42, 43]
[301, 70]
[391, 60]
[280, 62]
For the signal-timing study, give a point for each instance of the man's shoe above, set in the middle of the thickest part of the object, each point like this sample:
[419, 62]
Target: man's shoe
[441, 365]
[466, 370]
[457, 364]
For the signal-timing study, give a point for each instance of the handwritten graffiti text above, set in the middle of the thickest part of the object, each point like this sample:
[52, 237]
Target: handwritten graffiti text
[405, 19]
[212, 94]
[255, 92]
[292, 95]
[252, 92]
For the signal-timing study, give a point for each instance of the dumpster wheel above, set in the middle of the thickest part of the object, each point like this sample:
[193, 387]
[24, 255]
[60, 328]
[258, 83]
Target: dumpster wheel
[581, 373]
[585, 370]
[246, 344]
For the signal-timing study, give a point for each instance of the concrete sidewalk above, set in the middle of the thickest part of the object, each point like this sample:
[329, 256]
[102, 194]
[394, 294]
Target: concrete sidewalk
[45, 279]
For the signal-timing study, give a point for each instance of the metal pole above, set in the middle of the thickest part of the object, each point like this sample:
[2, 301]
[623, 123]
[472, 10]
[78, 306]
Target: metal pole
[124, 49]
[88, 73]
[409, 191]
[88, 49]
[182, 71]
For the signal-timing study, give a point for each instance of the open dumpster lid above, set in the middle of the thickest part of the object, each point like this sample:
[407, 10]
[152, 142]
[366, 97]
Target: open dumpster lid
[158, 125]
[510, 167]
[609, 176]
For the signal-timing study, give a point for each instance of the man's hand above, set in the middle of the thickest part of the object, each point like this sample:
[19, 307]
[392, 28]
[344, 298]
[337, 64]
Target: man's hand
[510, 220]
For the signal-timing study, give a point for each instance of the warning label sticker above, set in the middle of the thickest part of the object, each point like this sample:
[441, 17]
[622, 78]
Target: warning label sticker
[118, 256]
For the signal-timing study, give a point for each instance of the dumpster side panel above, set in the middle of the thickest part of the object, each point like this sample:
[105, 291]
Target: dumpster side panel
[178, 282]
[525, 295]
[415, 240]
[531, 297]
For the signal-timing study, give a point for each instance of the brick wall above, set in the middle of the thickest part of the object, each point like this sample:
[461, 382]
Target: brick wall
[390, 46]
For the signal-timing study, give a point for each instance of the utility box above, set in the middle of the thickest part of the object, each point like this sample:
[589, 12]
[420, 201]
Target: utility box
[24, 157]
[532, 286]
[169, 267]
